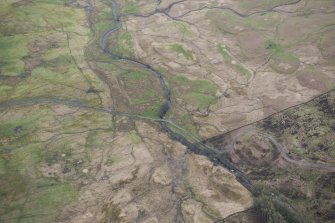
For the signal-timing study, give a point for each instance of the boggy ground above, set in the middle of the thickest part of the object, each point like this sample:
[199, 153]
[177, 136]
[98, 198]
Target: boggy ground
[64, 157]
[67, 164]
[146, 177]
[261, 57]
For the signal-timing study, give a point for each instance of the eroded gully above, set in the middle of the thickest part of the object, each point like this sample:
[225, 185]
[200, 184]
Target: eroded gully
[217, 157]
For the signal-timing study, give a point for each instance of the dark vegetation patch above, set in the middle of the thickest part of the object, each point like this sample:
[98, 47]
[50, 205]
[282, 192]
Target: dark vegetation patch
[309, 128]
[288, 191]
[248, 216]
[275, 209]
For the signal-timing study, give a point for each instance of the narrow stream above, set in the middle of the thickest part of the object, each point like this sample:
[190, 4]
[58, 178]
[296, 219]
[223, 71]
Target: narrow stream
[213, 154]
